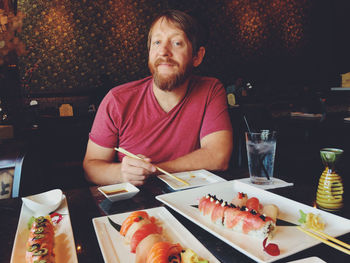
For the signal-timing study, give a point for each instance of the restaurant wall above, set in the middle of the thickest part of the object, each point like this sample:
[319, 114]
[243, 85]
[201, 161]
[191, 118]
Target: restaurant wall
[87, 47]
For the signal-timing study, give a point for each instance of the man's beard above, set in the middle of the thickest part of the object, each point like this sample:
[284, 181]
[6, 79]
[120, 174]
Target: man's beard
[170, 83]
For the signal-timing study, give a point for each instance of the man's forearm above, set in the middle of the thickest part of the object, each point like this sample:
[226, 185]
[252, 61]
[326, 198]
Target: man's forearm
[214, 155]
[102, 172]
[199, 159]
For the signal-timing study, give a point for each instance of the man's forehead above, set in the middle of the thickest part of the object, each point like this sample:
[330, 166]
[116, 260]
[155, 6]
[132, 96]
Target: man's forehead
[164, 22]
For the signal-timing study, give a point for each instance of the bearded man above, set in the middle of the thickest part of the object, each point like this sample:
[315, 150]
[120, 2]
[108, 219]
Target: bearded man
[172, 119]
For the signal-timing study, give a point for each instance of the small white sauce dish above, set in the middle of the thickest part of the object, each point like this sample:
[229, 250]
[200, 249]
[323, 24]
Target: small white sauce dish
[117, 192]
[44, 203]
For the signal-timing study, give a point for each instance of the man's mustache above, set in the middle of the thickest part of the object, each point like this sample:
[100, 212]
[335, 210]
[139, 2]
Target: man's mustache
[169, 61]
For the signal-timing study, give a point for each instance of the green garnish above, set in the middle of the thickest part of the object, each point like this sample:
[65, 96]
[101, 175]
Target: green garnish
[33, 247]
[40, 219]
[41, 252]
[39, 236]
[302, 219]
[39, 230]
[30, 222]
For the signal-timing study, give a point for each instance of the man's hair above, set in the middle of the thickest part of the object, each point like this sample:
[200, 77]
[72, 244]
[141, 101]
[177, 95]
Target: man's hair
[185, 22]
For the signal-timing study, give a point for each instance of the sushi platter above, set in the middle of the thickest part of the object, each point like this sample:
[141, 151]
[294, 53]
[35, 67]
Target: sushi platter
[64, 241]
[115, 249]
[289, 239]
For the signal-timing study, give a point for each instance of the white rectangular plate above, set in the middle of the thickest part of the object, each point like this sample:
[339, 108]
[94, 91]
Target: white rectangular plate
[194, 178]
[64, 241]
[289, 239]
[308, 260]
[114, 249]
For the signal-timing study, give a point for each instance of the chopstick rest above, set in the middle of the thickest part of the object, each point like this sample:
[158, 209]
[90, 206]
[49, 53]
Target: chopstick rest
[158, 168]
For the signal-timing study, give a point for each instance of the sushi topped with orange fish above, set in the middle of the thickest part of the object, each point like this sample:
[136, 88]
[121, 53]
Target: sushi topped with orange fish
[145, 236]
[40, 244]
[244, 215]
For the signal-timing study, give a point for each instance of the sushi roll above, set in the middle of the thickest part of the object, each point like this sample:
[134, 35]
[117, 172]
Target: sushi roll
[147, 240]
[145, 246]
[253, 204]
[207, 205]
[40, 242]
[249, 223]
[164, 252]
[270, 211]
[240, 199]
[143, 232]
[133, 217]
[134, 228]
[217, 214]
[244, 219]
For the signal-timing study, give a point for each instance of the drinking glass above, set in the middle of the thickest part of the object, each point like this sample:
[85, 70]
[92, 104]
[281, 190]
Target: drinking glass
[261, 149]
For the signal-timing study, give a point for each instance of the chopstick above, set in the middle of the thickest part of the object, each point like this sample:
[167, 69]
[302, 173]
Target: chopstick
[343, 249]
[158, 168]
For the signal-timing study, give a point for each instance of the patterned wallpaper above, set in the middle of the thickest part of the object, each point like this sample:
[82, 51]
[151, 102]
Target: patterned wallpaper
[81, 45]
[86, 46]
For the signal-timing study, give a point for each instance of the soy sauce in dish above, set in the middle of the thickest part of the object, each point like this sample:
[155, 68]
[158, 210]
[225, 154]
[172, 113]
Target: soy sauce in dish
[113, 192]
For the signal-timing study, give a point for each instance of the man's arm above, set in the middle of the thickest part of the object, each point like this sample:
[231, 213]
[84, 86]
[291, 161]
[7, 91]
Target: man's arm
[214, 154]
[100, 167]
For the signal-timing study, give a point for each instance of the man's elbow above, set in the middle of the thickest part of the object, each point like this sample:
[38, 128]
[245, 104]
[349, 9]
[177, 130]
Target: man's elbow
[222, 162]
[86, 169]
[223, 166]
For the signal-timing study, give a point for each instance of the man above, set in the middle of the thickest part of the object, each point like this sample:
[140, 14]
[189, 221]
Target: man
[173, 119]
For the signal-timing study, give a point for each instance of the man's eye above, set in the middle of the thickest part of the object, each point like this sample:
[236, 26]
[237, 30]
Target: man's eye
[157, 42]
[177, 43]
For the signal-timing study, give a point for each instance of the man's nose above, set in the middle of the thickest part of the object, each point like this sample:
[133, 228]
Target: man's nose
[164, 49]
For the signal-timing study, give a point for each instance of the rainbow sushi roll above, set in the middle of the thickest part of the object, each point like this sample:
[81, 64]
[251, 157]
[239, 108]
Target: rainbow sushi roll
[240, 199]
[240, 219]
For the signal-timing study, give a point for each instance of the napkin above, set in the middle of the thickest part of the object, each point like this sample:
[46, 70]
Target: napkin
[277, 183]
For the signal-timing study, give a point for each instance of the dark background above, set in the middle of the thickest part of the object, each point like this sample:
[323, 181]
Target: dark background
[291, 51]
[87, 47]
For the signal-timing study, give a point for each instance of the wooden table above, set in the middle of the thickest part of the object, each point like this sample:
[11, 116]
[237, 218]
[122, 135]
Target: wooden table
[85, 204]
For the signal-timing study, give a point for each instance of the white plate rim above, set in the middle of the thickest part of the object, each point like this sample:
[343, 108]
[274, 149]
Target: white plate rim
[308, 260]
[64, 227]
[113, 255]
[181, 202]
[169, 181]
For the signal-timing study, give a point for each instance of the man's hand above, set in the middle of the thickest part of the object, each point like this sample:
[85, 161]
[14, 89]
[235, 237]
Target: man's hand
[136, 171]
[100, 167]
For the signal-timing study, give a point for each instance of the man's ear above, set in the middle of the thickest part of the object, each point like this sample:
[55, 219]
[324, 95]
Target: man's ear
[197, 60]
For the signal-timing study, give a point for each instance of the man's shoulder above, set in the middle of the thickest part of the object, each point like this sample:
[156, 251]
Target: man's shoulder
[206, 80]
[132, 87]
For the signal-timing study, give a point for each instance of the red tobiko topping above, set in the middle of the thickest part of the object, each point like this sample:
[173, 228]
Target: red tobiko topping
[241, 195]
[138, 219]
[271, 249]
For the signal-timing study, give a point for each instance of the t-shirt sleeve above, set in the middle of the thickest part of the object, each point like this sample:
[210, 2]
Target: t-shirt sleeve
[216, 116]
[104, 131]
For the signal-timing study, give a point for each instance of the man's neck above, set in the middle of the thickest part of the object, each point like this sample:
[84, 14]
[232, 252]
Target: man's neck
[167, 100]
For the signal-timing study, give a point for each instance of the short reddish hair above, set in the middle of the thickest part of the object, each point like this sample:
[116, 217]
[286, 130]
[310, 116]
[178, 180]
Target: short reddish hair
[186, 23]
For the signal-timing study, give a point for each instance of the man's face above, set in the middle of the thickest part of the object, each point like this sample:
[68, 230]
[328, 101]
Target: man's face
[170, 55]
